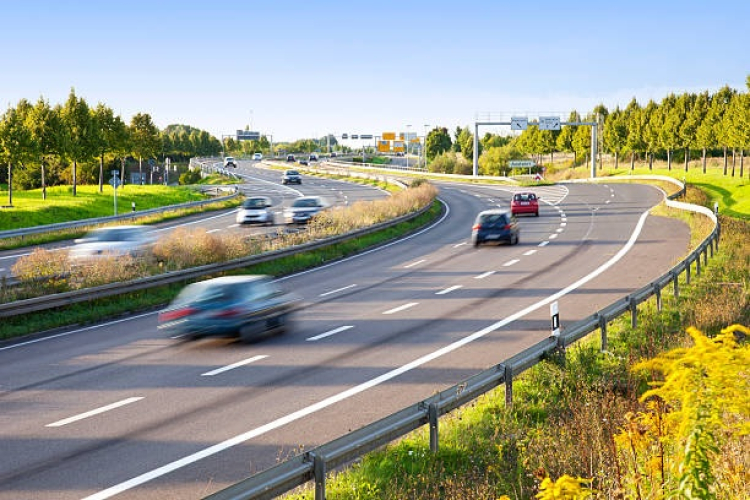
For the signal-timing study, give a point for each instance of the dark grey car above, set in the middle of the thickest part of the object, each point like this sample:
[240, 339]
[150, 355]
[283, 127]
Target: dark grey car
[495, 225]
[247, 307]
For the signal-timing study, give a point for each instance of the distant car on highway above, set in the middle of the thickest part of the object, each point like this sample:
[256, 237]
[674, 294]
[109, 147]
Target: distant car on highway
[230, 162]
[290, 158]
[303, 162]
[525, 203]
[257, 156]
[248, 307]
[495, 225]
[313, 157]
[291, 177]
[255, 209]
[134, 241]
[303, 209]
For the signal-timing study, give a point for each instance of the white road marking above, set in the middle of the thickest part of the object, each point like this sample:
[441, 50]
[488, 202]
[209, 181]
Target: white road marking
[563, 224]
[460, 244]
[559, 230]
[233, 366]
[484, 275]
[511, 262]
[544, 243]
[212, 231]
[330, 332]
[233, 225]
[552, 236]
[449, 289]
[401, 308]
[358, 389]
[414, 264]
[529, 252]
[337, 290]
[91, 413]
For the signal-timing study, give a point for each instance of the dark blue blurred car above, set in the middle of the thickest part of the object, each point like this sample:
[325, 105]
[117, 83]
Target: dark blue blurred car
[495, 225]
[247, 307]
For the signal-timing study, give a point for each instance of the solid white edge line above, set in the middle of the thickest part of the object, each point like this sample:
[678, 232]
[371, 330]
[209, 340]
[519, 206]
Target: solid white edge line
[449, 289]
[330, 332]
[233, 366]
[401, 308]
[331, 400]
[337, 290]
[91, 413]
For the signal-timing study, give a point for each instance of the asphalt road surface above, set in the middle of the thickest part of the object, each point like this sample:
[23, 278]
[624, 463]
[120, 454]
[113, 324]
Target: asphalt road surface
[118, 410]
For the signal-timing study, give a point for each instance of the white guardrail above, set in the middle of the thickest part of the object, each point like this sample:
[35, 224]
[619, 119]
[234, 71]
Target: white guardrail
[313, 465]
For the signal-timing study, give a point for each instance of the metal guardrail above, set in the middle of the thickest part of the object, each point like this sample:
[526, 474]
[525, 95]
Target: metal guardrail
[46, 302]
[21, 233]
[313, 464]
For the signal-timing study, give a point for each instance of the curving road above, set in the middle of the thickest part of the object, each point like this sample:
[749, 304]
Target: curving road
[117, 410]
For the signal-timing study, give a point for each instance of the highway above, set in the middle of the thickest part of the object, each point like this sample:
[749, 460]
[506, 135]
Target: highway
[118, 410]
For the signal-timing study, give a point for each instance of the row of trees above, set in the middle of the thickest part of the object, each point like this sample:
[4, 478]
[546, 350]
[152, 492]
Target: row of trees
[687, 124]
[47, 144]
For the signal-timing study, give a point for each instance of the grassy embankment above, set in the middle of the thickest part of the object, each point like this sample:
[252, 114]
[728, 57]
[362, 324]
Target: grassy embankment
[584, 419]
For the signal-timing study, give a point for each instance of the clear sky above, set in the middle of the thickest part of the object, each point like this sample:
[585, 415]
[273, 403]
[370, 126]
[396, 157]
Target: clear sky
[300, 69]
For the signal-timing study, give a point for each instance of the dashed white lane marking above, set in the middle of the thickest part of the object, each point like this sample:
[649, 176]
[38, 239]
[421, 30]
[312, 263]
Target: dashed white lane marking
[414, 264]
[91, 413]
[459, 244]
[529, 252]
[544, 243]
[484, 275]
[233, 366]
[563, 224]
[449, 289]
[401, 308]
[212, 231]
[511, 262]
[230, 226]
[330, 332]
[552, 236]
[559, 230]
[337, 290]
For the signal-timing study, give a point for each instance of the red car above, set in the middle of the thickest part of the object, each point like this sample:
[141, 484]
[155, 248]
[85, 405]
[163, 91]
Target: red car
[525, 203]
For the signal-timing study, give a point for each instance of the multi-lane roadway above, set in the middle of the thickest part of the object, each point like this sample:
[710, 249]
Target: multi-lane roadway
[118, 410]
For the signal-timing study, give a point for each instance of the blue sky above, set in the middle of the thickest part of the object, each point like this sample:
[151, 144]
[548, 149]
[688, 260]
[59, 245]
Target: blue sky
[298, 69]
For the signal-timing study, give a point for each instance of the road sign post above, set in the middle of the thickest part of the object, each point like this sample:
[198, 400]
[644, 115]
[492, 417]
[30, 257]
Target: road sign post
[115, 182]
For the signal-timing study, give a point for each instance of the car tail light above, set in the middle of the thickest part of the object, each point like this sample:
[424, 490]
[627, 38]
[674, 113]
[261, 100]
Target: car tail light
[476, 227]
[176, 314]
[508, 226]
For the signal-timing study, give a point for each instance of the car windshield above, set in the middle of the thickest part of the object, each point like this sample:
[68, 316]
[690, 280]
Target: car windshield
[524, 197]
[305, 202]
[291, 172]
[254, 203]
[493, 219]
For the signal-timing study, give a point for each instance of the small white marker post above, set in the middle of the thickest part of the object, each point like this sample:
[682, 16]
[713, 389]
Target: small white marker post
[555, 313]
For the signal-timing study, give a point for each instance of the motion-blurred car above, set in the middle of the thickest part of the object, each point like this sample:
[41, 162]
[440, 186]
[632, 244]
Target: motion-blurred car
[247, 307]
[313, 157]
[290, 158]
[230, 162]
[134, 241]
[255, 210]
[525, 203]
[303, 209]
[291, 177]
[257, 156]
[495, 225]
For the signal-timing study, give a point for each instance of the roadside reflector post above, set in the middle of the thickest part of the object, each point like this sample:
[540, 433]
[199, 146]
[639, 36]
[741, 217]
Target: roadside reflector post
[555, 313]
[432, 415]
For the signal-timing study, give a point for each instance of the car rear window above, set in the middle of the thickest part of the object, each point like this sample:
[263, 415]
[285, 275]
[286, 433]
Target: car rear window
[492, 219]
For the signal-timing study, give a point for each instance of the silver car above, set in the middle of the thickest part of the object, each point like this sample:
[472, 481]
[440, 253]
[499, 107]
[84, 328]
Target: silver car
[134, 241]
[303, 209]
[255, 209]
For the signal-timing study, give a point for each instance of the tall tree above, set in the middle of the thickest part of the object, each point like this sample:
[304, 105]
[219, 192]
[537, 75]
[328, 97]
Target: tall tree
[615, 134]
[719, 105]
[697, 107]
[672, 116]
[650, 123]
[438, 142]
[17, 144]
[145, 139]
[78, 134]
[45, 125]
[111, 133]
[705, 134]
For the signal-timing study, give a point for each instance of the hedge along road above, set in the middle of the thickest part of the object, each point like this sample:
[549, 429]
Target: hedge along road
[148, 417]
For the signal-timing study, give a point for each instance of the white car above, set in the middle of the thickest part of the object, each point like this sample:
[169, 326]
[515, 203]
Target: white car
[257, 156]
[303, 209]
[255, 210]
[229, 161]
[134, 241]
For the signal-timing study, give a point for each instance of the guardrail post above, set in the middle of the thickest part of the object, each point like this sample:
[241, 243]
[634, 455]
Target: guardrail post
[705, 255]
[603, 328]
[508, 377]
[633, 312]
[432, 415]
[657, 293]
[676, 279]
[687, 271]
[319, 471]
[698, 264]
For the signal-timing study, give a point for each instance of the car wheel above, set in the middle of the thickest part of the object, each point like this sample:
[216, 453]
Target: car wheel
[536, 214]
[476, 243]
[514, 240]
